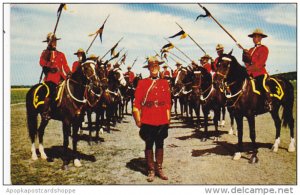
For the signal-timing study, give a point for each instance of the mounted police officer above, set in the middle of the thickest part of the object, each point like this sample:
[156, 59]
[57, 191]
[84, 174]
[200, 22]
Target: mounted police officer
[166, 73]
[56, 69]
[129, 74]
[204, 62]
[178, 66]
[255, 60]
[81, 58]
[220, 51]
[151, 112]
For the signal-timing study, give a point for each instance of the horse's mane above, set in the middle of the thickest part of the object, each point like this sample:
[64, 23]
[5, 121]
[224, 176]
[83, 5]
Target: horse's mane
[237, 71]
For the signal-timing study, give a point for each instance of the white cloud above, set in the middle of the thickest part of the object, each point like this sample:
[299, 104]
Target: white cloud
[281, 14]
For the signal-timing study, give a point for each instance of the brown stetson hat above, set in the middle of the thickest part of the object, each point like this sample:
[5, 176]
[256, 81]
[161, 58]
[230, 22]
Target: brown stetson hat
[51, 36]
[153, 60]
[79, 51]
[258, 32]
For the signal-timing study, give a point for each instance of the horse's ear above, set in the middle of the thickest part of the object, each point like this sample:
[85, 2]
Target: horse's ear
[230, 53]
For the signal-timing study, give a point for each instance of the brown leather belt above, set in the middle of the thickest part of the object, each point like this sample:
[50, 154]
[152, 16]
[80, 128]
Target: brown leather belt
[149, 104]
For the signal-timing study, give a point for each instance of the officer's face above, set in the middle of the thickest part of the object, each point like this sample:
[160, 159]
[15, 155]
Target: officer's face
[256, 39]
[53, 43]
[154, 69]
[220, 52]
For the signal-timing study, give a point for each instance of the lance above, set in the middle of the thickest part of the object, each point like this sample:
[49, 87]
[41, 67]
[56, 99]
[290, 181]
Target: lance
[111, 48]
[54, 31]
[180, 50]
[114, 56]
[176, 57]
[96, 35]
[209, 14]
[192, 39]
[134, 62]
[122, 56]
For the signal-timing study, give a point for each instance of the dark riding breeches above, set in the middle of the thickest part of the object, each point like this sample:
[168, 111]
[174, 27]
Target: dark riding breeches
[154, 134]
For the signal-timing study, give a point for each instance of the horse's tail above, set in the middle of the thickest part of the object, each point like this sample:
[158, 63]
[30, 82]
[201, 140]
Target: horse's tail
[31, 115]
[288, 103]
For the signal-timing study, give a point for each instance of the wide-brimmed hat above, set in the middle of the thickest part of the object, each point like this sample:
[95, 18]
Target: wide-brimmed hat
[51, 36]
[92, 57]
[165, 66]
[128, 67]
[258, 31]
[219, 47]
[205, 56]
[178, 64]
[117, 65]
[79, 51]
[153, 60]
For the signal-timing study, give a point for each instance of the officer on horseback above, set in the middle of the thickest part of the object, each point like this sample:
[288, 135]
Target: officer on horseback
[220, 51]
[129, 74]
[55, 68]
[204, 62]
[166, 74]
[81, 58]
[255, 61]
[178, 66]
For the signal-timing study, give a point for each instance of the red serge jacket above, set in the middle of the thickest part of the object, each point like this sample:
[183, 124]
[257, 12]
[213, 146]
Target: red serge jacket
[259, 56]
[153, 107]
[130, 75]
[58, 66]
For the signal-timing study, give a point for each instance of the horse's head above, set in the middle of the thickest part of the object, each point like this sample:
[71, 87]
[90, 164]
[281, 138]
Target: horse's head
[180, 76]
[89, 72]
[116, 77]
[101, 72]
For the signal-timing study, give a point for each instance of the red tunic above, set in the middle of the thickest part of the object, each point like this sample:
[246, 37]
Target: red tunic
[130, 75]
[215, 63]
[75, 65]
[207, 66]
[259, 56]
[175, 73]
[166, 74]
[57, 60]
[158, 101]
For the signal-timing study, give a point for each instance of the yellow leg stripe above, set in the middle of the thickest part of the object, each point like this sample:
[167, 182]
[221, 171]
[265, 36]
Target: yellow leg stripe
[279, 90]
[36, 101]
[253, 87]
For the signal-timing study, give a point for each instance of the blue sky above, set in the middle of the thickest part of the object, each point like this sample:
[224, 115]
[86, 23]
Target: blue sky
[144, 27]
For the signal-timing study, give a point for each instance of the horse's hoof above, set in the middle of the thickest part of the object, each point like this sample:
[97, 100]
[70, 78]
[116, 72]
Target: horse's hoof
[253, 159]
[44, 156]
[34, 157]
[292, 148]
[204, 139]
[275, 148]
[223, 123]
[101, 131]
[237, 156]
[65, 167]
[77, 163]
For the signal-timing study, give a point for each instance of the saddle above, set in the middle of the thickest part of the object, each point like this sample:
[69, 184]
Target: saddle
[43, 90]
[272, 85]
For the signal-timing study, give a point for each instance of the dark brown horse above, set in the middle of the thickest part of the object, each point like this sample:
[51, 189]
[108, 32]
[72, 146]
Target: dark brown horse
[246, 101]
[72, 96]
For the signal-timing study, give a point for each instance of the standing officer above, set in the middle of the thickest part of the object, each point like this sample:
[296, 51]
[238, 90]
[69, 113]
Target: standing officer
[129, 74]
[255, 61]
[81, 58]
[151, 112]
[56, 69]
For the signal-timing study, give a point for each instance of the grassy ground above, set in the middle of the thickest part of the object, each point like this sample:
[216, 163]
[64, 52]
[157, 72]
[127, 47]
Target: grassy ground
[119, 159]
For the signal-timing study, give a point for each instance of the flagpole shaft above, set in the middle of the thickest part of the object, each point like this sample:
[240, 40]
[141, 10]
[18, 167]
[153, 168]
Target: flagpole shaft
[177, 57]
[87, 51]
[163, 60]
[224, 29]
[180, 51]
[192, 39]
[134, 62]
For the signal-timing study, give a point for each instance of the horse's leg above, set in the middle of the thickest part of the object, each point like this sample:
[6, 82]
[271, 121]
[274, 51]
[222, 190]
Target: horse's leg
[90, 126]
[251, 122]
[239, 123]
[74, 141]
[66, 132]
[205, 113]
[197, 111]
[109, 113]
[41, 131]
[217, 112]
[175, 106]
[277, 122]
[223, 116]
[32, 128]
[231, 131]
